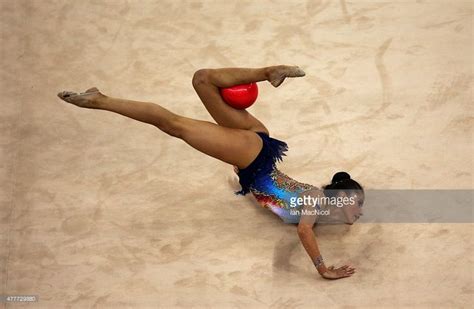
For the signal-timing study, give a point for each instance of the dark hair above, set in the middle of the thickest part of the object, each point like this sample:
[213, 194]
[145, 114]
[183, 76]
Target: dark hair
[341, 181]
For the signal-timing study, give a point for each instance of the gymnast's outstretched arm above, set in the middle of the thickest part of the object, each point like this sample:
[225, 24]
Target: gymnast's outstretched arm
[308, 239]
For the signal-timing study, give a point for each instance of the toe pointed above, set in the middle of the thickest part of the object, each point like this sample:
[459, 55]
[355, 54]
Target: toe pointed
[299, 72]
[62, 94]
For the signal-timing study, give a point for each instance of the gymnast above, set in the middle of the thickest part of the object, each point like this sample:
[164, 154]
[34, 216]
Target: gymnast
[243, 141]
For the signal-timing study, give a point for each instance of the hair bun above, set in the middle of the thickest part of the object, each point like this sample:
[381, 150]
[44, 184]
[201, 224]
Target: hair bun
[339, 176]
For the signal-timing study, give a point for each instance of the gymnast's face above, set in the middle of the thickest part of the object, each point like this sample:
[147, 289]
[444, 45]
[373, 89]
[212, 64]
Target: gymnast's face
[353, 211]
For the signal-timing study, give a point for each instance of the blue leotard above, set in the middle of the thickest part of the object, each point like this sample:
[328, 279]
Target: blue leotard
[272, 188]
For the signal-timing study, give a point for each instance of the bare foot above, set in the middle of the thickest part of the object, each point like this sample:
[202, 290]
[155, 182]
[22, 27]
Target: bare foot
[86, 99]
[277, 74]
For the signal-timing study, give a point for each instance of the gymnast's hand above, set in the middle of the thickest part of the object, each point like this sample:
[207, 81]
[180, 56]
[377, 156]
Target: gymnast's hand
[338, 273]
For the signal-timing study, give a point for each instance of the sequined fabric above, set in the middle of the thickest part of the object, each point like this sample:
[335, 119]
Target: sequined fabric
[275, 190]
[272, 188]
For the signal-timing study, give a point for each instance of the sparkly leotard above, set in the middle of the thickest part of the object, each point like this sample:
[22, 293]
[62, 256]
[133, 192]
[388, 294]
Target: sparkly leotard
[272, 188]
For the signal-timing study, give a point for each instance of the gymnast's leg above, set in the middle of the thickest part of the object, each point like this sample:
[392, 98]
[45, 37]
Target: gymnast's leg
[207, 82]
[234, 146]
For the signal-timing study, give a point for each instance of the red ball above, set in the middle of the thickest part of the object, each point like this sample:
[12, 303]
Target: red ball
[240, 96]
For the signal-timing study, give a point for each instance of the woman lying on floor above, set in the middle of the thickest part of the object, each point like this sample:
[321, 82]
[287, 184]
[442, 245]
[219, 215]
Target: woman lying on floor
[243, 141]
